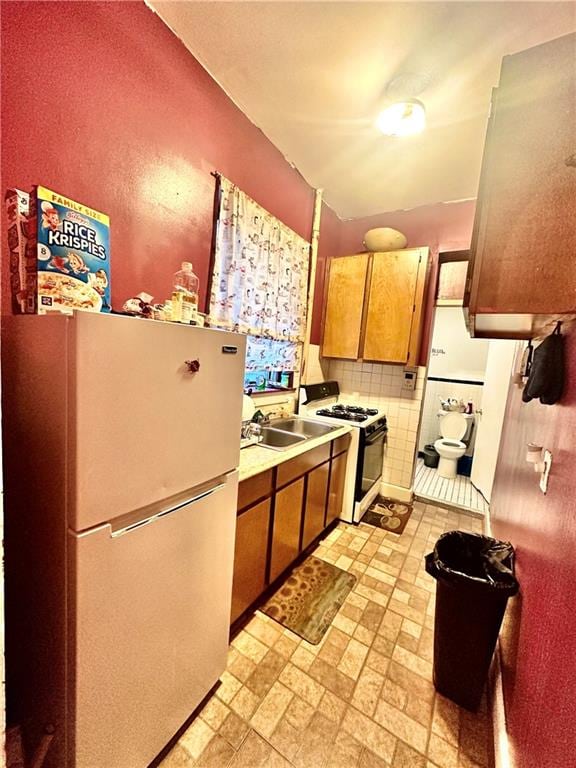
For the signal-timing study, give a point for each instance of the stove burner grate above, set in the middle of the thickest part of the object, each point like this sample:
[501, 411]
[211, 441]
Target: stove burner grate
[340, 413]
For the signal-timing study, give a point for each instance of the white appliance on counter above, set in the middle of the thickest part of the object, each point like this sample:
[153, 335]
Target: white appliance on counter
[366, 452]
[122, 448]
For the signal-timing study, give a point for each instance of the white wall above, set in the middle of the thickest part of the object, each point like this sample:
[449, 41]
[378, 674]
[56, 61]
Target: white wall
[498, 374]
[454, 354]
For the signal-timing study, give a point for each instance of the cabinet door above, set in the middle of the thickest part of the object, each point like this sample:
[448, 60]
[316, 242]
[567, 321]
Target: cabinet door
[315, 508]
[524, 236]
[250, 557]
[344, 306]
[286, 534]
[391, 305]
[336, 491]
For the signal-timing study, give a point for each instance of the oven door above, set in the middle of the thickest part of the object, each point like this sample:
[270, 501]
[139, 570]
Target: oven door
[370, 461]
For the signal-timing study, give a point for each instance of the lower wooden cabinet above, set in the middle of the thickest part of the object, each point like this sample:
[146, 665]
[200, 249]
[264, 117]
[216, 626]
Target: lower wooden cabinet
[315, 510]
[286, 532]
[250, 554]
[336, 490]
[281, 512]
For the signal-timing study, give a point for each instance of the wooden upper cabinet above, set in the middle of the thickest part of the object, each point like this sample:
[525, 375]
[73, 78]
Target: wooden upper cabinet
[344, 304]
[383, 323]
[522, 272]
[392, 304]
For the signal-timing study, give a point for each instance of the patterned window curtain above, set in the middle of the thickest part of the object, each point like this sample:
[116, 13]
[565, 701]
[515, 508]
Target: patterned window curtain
[260, 281]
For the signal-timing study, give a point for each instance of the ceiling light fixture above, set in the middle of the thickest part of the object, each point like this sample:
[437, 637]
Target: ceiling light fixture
[404, 118]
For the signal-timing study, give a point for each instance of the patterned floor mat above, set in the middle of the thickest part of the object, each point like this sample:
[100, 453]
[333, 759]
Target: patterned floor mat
[388, 514]
[311, 596]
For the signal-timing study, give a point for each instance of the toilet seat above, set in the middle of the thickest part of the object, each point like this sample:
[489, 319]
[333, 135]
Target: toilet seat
[453, 426]
[450, 446]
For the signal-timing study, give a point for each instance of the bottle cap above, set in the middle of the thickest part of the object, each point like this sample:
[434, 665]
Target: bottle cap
[186, 266]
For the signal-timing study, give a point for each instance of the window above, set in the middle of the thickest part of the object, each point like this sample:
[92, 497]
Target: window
[259, 284]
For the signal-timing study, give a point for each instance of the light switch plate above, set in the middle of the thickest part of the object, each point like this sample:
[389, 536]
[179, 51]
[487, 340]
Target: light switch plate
[546, 471]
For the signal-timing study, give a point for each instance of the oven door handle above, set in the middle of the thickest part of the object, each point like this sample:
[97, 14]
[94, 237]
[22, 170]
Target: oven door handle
[375, 436]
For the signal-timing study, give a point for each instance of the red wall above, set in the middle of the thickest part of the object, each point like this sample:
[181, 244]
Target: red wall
[103, 103]
[122, 117]
[539, 644]
[442, 227]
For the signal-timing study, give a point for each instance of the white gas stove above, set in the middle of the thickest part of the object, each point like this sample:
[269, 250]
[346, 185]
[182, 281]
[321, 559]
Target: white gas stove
[366, 453]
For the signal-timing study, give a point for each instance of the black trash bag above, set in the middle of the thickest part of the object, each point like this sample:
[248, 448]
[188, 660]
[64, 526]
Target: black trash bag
[546, 378]
[474, 560]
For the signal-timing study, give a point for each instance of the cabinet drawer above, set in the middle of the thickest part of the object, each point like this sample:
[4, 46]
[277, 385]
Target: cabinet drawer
[340, 444]
[254, 488]
[301, 464]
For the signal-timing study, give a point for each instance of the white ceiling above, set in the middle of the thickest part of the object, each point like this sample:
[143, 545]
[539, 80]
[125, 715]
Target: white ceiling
[313, 75]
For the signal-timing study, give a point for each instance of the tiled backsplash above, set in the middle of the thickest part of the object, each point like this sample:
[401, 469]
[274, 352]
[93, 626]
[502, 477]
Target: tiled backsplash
[378, 385]
[444, 389]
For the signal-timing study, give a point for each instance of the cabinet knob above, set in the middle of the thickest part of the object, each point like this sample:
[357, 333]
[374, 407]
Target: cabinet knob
[571, 161]
[192, 365]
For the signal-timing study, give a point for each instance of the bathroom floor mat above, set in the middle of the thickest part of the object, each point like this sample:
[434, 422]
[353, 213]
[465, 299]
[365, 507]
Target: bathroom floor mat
[388, 514]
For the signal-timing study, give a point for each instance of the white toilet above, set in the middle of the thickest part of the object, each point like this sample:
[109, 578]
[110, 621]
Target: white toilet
[453, 427]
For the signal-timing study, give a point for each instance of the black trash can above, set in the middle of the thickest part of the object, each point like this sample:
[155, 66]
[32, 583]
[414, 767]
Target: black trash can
[431, 456]
[474, 579]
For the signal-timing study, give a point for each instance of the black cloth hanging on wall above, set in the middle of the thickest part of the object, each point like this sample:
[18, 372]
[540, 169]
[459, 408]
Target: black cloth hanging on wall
[546, 379]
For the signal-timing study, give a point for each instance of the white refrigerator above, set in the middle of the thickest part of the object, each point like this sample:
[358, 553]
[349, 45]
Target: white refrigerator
[121, 442]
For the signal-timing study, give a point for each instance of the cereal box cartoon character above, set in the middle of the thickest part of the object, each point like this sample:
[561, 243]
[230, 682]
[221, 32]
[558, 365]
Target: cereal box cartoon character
[50, 217]
[99, 281]
[59, 263]
[78, 265]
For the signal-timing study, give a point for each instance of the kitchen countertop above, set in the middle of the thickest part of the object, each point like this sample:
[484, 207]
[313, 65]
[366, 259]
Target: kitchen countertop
[257, 458]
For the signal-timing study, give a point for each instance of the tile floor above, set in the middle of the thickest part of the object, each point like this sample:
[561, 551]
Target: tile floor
[363, 697]
[459, 492]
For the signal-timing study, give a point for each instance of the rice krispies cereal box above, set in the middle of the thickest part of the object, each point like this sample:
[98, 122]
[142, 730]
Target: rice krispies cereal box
[69, 243]
[22, 280]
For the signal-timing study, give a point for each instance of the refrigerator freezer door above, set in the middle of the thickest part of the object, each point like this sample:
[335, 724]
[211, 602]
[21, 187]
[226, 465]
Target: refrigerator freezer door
[149, 622]
[145, 425]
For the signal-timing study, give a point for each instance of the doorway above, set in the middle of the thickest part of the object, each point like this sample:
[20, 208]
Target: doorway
[467, 381]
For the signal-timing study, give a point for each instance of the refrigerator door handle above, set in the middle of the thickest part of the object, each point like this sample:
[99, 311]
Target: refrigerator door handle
[158, 515]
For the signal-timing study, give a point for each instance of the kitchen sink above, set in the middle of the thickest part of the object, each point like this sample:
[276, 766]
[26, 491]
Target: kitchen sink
[280, 439]
[284, 433]
[302, 427]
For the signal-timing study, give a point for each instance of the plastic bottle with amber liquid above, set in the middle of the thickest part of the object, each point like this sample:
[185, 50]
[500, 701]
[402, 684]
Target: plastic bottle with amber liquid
[185, 294]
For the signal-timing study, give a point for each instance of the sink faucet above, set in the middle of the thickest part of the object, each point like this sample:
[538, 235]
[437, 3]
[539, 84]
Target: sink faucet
[250, 429]
[261, 418]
